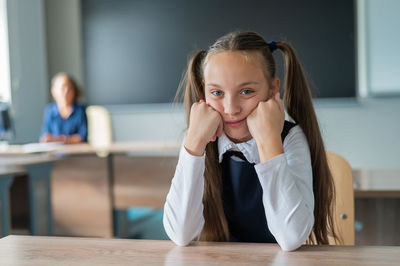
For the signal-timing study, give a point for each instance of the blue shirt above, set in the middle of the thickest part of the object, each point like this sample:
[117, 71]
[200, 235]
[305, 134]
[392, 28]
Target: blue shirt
[54, 124]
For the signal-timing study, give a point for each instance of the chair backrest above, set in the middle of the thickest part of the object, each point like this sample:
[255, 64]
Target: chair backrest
[344, 213]
[99, 129]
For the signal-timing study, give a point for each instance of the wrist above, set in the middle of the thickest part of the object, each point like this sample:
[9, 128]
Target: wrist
[269, 147]
[194, 147]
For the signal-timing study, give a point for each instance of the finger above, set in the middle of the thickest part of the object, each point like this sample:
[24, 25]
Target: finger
[220, 129]
[212, 108]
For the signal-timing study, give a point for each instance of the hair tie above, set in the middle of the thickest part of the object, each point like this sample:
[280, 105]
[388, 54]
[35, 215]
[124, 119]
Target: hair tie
[272, 46]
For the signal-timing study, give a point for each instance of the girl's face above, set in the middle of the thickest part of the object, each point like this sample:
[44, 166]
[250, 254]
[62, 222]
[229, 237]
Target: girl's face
[63, 92]
[234, 84]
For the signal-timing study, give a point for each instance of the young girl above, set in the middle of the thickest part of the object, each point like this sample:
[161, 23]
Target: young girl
[244, 173]
[64, 120]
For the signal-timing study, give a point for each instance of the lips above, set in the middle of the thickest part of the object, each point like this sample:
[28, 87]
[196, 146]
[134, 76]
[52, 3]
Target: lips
[236, 123]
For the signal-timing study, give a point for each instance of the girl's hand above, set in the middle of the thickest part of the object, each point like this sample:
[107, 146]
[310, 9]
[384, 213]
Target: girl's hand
[265, 125]
[205, 125]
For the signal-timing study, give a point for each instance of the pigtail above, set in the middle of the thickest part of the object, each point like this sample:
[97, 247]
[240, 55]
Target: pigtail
[215, 226]
[299, 105]
[192, 82]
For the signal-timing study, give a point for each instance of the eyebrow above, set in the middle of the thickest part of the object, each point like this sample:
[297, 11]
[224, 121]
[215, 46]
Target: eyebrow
[240, 85]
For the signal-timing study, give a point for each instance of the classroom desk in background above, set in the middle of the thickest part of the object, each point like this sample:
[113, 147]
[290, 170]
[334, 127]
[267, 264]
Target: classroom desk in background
[376, 183]
[80, 177]
[7, 174]
[119, 160]
[34, 250]
[37, 167]
[377, 206]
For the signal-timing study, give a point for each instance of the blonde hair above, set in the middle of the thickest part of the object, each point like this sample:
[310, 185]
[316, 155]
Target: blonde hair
[298, 101]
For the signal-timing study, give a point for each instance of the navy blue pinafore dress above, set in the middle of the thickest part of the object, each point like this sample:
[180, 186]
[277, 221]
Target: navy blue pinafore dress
[242, 198]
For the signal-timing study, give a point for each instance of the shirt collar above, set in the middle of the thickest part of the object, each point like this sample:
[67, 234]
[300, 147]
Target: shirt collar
[248, 148]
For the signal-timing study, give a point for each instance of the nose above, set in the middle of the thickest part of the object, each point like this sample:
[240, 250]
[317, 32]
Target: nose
[231, 106]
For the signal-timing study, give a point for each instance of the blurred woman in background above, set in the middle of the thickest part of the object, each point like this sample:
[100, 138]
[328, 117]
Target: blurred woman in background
[64, 120]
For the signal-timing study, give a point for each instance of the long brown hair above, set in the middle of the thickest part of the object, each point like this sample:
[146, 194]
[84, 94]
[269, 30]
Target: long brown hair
[298, 102]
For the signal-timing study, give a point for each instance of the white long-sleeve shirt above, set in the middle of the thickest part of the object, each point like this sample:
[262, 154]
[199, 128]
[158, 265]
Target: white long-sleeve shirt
[286, 181]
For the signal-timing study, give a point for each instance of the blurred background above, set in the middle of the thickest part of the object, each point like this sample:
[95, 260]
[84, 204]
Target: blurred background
[129, 57]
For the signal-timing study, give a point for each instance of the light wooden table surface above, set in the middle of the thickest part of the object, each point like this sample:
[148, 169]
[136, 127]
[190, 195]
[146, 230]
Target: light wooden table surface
[37, 250]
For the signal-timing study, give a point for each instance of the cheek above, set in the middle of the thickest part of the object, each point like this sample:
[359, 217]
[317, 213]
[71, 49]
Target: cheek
[215, 104]
[69, 95]
[56, 94]
[251, 105]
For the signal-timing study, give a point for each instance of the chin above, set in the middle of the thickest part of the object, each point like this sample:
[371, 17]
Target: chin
[236, 137]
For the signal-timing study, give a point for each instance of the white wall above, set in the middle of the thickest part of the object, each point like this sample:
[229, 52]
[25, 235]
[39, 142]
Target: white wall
[28, 66]
[39, 47]
[365, 132]
[161, 122]
[64, 38]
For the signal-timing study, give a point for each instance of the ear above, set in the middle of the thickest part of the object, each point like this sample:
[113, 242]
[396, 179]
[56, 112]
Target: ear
[275, 85]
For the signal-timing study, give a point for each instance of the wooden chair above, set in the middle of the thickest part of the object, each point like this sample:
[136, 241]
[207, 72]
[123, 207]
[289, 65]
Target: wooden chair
[344, 213]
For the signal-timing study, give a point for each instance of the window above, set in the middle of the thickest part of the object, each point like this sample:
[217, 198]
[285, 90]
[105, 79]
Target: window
[4, 55]
[378, 24]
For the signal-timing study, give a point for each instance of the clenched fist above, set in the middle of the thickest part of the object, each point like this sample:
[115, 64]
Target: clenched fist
[265, 125]
[205, 125]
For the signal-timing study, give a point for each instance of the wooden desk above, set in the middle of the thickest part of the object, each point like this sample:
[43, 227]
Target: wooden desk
[378, 183]
[101, 172]
[377, 206]
[7, 173]
[129, 149]
[38, 168]
[34, 250]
